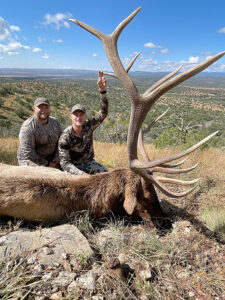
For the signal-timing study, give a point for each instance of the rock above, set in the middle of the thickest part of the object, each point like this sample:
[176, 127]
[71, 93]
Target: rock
[46, 245]
[67, 266]
[87, 281]
[56, 296]
[64, 278]
[182, 275]
[38, 268]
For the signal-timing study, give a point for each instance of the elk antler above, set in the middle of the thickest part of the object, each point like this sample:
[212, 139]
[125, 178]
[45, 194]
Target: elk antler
[165, 168]
[141, 103]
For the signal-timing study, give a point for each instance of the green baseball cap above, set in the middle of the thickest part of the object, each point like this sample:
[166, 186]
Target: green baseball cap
[78, 107]
[41, 100]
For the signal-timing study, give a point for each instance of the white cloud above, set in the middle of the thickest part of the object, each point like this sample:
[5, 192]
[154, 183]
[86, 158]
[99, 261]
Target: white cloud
[221, 30]
[57, 41]
[56, 21]
[9, 39]
[13, 53]
[45, 56]
[164, 51]
[205, 53]
[14, 28]
[147, 64]
[94, 54]
[151, 45]
[13, 47]
[193, 60]
[36, 50]
[4, 30]
[41, 40]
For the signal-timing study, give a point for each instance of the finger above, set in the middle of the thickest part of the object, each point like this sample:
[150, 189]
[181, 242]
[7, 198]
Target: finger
[100, 73]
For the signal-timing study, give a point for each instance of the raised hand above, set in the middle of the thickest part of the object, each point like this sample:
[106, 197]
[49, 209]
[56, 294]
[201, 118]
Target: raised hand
[101, 81]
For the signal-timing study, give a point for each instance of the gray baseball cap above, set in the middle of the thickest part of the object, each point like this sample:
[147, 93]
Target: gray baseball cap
[41, 100]
[78, 107]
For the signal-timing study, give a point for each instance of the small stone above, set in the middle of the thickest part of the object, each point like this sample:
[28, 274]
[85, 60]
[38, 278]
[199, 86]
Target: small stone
[56, 264]
[64, 278]
[122, 258]
[67, 266]
[31, 261]
[191, 294]
[38, 268]
[72, 287]
[182, 275]
[65, 255]
[56, 296]
[47, 277]
[9, 265]
[55, 289]
[48, 251]
[87, 281]
[40, 298]
[146, 274]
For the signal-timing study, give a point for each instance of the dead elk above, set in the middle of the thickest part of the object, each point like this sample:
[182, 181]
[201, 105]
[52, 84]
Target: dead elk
[46, 194]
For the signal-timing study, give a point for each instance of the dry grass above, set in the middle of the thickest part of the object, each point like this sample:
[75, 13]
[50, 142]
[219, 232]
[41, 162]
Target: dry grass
[8, 150]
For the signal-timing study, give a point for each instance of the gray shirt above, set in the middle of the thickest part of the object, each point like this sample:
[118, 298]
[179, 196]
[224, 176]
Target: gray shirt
[39, 141]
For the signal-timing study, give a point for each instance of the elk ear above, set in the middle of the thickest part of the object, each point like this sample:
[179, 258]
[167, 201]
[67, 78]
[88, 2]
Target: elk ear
[130, 201]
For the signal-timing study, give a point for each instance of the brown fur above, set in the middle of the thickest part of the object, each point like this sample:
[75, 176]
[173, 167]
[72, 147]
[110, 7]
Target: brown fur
[44, 193]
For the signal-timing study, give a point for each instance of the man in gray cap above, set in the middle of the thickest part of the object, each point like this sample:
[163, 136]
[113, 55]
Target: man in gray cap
[39, 136]
[76, 152]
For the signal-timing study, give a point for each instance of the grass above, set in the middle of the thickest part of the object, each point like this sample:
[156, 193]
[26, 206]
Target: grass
[185, 263]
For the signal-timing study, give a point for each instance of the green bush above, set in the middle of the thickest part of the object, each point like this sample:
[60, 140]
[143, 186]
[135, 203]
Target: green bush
[170, 137]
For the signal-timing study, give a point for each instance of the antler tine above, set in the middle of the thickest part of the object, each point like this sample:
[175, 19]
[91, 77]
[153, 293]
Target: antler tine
[110, 74]
[173, 171]
[176, 181]
[156, 120]
[124, 23]
[89, 28]
[161, 81]
[141, 146]
[160, 90]
[161, 187]
[167, 192]
[127, 69]
[173, 165]
[132, 62]
[157, 162]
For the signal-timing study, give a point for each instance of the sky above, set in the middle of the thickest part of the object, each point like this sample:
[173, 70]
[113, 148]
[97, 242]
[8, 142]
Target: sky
[168, 33]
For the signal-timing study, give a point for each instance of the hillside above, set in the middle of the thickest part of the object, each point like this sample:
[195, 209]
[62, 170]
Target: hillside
[199, 100]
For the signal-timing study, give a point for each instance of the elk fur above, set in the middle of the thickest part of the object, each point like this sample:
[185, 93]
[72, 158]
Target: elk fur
[26, 192]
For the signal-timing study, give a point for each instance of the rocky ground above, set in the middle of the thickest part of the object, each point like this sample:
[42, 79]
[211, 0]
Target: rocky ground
[114, 258]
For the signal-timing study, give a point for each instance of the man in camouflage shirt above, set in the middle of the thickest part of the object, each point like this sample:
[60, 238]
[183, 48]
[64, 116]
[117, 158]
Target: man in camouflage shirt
[76, 150]
[39, 137]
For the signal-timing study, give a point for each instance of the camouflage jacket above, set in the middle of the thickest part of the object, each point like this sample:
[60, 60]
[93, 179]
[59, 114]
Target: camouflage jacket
[39, 141]
[74, 149]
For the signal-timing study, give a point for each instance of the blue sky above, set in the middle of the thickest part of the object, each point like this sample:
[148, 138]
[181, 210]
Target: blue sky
[37, 33]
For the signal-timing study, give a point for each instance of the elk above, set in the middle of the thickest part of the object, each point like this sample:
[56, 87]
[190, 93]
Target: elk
[40, 194]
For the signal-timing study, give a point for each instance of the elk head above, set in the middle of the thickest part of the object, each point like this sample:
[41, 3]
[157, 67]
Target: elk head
[140, 106]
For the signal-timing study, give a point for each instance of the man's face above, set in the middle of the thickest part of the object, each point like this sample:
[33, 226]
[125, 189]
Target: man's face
[78, 118]
[42, 112]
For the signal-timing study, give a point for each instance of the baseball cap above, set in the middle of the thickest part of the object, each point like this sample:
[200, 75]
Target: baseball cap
[41, 100]
[78, 107]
